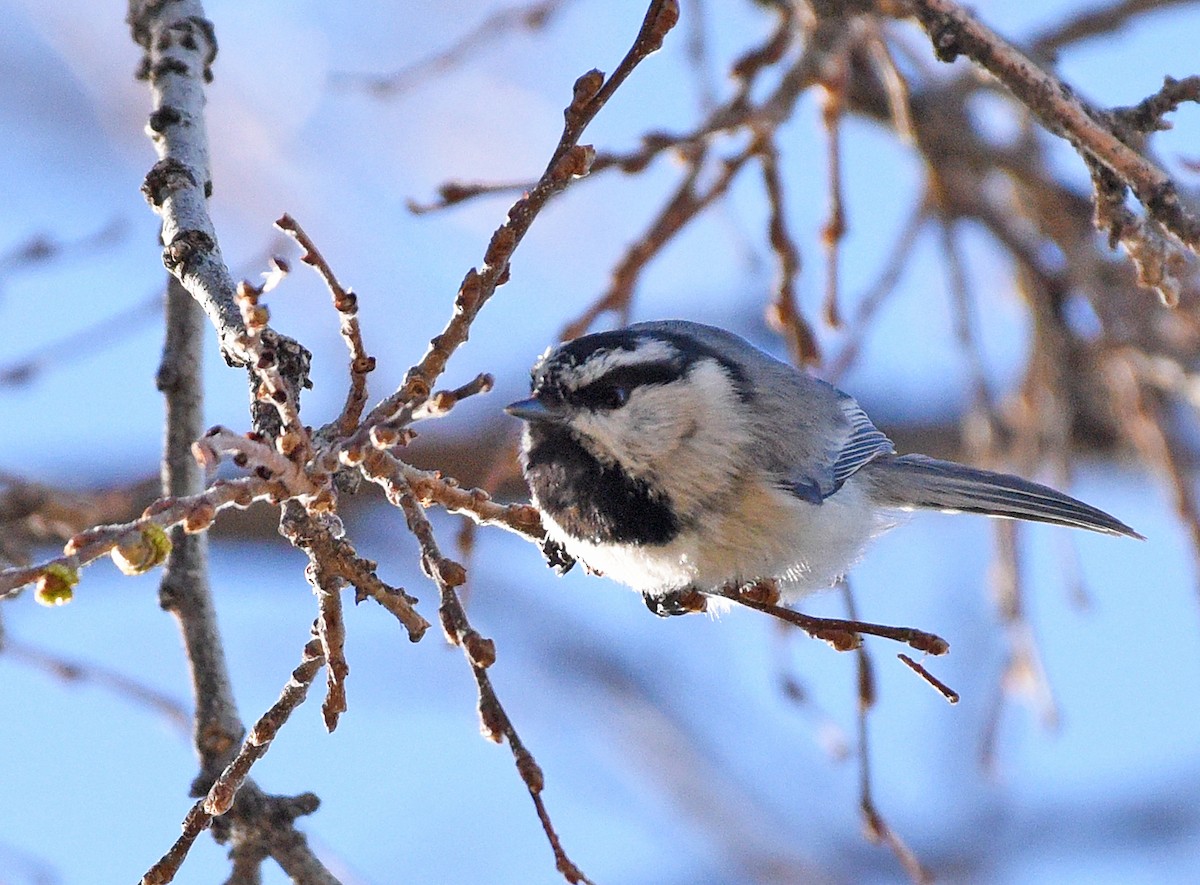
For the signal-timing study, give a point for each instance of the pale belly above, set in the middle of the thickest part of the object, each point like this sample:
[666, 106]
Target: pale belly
[765, 534]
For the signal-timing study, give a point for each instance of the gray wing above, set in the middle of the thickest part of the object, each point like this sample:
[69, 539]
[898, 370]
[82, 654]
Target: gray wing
[864, 443]
[830, 437]
[854, 442]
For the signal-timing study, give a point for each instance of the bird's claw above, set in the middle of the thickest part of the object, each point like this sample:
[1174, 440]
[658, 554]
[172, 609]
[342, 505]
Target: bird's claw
[676, 602]
[557, 557]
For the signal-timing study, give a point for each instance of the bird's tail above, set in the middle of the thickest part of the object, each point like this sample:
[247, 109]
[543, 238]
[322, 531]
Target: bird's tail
[917, 481]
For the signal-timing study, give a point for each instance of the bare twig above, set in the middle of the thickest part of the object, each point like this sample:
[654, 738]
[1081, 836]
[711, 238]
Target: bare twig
[783, 312]
[685, 204]
[943, 689]
[184, 590]
[568, 162]
[529, 17]
[43, 248]
[345, 303]
[892, 268]
[87, 672]
[448, 575]
[340, 563]
[195, 513]
[875, 825]
[736, 113]
[451, 193]
[221, 795]
[698, 51]
[894, 82]
[1095, 22]
[1148, 432]
[965, 324]
[272, 384]
[1023, 676]
[37, 513]
[81, 343]
[180, 48]
[331, 631]
[843, 635]
[956, 32]
[833, 88]
[93, 338]
[227, 788]
[432, 488]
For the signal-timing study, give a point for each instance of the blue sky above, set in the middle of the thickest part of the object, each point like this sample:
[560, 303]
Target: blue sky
[671, 755]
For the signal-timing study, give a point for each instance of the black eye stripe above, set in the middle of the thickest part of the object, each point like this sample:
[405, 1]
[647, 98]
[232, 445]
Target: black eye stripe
[641, 374]
[611, 390]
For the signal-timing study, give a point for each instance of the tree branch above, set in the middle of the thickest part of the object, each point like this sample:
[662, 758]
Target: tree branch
[956, 32]
[184, 590]
[180, 47]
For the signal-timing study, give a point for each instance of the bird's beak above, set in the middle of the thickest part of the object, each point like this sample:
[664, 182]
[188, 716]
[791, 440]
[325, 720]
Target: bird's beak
[534, 409]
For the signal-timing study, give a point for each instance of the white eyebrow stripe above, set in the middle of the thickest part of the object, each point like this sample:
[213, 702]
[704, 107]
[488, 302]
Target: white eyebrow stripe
[600, 363]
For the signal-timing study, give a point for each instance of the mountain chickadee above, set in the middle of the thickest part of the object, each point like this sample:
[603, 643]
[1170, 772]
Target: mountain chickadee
[676, 457]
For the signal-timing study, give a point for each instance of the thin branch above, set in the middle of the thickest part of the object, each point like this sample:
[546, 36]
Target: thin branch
[41, 249]
[82, 343]
[480, 652]
[737, 113]
[339, 563]
[680, 209]
[568, 162]
[843, 635]
[899, 99]
[86, 672]
[195, 513]
[966, 333]
[530, 17]
[833, 89]
[698, 52]
[1148, 432]
[273, 384]
[477, 504]
[1023, 675]
[677, 211]
[331, 631]
[180, 46]
[95, 337]
[892, 268]
[956, 32]
[184, 590]
[942, 688]
[1098, 21]
[876, 826]
[221, 795]
[345, 303]
[783, 313]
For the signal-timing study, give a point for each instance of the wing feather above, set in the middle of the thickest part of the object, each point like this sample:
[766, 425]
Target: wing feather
[865, 443]
[855, 442]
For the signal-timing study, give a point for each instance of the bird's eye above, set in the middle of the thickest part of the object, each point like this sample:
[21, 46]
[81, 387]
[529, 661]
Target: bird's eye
[616, 396]
[603, 396]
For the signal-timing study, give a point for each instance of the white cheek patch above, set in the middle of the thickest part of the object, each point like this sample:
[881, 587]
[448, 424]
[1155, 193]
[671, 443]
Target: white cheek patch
[684, 437]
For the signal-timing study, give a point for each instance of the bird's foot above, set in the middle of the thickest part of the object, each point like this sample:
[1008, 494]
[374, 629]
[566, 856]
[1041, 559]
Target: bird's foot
[557, 557]
[765, 591]
[676, 602]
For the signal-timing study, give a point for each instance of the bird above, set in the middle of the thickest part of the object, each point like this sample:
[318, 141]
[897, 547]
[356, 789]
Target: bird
[680, 460]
